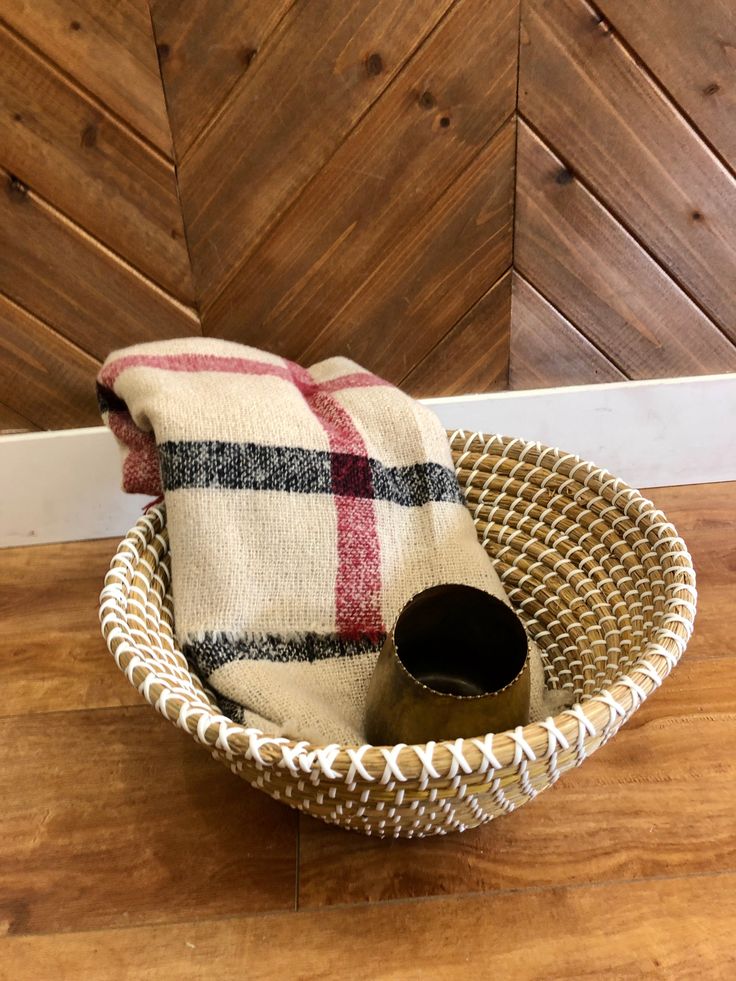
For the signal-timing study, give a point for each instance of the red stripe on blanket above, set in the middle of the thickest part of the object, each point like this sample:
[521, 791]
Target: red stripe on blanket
[141, 471]
[358, 582]
[230, 365]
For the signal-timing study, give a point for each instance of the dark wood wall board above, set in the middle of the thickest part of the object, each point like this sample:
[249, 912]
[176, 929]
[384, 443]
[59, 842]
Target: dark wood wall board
[429, 279]
[45, 377]
[547, 351]
[107, 48]
[413, 145]
[204, 50]
[473, 356]
[90, 166]
[54, 270]
[288, 117]
[589, 99]
[600, 279]
[690, 46]
[12, 422]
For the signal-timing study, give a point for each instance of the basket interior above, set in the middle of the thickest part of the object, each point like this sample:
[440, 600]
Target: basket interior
[597, 574]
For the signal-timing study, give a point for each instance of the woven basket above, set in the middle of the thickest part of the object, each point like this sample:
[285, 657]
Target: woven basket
[599, 576]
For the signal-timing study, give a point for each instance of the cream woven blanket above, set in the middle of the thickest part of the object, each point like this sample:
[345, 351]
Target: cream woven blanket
[304, 508]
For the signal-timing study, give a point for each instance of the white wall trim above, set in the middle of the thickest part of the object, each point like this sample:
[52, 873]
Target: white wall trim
[64, 486]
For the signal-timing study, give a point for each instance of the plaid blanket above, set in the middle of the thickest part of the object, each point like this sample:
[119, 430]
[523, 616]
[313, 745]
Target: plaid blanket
[304, 508]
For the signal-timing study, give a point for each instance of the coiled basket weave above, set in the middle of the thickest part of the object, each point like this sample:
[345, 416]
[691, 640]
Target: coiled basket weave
[599, 576]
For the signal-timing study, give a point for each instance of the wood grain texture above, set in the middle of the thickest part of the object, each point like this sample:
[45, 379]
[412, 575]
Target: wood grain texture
[662, 929]
[49, 588]
[664, 789]
[546, 351]
[204, 50]
[116, 824]
[589, 99]
[51, 268]
[416, 141]
[661, 788]
[90, 167]
[112, 818]
[50, 646]
[405, 306]
[690, 46]
[473, 356]
[12, 422]
[627, 305]
[107, 48]
[42, 375]
[295, 107]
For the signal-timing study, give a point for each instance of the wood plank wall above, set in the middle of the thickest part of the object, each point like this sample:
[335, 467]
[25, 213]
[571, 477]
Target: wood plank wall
[626, 207]
[462, 195]
[92, 249]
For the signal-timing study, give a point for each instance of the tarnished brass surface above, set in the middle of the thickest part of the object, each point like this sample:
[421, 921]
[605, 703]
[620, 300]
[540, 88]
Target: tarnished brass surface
[455, 664]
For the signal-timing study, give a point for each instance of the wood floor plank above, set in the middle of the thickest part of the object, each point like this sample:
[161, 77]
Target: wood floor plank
[414, 143]
[116, 823]
[296, 107]
[55, 271]
[686, 45]
[592, 102]
[90, 167]
[113, 817]
[204, 50]
[60, 671]
[12, 422]
[108, 48]
[46, 564]
[628, 306]
[53, 655]
[464, 240]
[474, 354]
[546, 350]
[664, 790]
[42, 375]
[671, 928]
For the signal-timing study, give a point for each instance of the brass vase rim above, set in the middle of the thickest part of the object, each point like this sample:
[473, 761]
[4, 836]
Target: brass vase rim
[390, 643]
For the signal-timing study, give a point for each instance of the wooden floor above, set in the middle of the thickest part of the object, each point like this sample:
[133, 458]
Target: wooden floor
[126, 852]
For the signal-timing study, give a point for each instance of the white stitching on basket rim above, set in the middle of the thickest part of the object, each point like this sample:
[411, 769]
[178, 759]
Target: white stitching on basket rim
[185, 704]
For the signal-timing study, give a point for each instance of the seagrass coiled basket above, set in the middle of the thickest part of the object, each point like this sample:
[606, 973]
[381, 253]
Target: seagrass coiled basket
[599, 576]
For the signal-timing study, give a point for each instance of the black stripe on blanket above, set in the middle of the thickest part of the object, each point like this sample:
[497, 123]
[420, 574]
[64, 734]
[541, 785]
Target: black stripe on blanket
[253, 466]
[212, 653]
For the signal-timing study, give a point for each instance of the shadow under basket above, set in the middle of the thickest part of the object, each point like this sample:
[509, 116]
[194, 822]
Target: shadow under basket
[599, 577]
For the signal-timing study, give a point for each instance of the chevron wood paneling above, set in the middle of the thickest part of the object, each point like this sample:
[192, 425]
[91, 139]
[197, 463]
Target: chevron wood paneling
[92, 248]
[290, 115]
[57, 272]
[41, 369]
[93, 168]
[204, 50]
[476, 348]
[104, 48]
[462, 195]
[464, 240]
[617, 130]
[13, 422]
[579, 257]
[546, 350]
[445, 106]
[690, 46]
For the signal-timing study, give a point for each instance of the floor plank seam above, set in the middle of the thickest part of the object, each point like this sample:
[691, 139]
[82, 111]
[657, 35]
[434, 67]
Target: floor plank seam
[361, 906]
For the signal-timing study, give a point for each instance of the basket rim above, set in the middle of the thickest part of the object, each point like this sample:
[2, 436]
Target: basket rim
[583, 727]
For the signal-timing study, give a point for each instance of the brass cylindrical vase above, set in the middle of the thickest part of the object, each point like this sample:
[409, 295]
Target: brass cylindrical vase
[455, 665]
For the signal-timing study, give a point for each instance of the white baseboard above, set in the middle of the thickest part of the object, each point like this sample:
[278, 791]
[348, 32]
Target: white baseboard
[65, 486]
